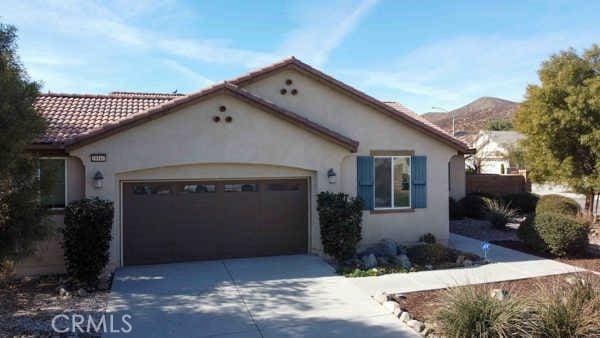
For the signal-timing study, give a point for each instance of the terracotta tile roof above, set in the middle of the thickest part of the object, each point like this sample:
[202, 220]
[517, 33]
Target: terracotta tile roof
[69, 115]
[72, 117]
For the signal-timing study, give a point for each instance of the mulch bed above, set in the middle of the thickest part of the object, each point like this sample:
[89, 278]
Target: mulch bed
[587, 261]
[27, 306]
[422, 305]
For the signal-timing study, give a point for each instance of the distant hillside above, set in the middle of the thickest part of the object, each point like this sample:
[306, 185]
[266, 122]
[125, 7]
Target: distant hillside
[473, 117]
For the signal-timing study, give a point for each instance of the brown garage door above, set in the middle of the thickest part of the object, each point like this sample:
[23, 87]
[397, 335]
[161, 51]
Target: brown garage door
[173, 221]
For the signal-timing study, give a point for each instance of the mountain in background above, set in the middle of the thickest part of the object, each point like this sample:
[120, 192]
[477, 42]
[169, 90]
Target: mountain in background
[471, 118]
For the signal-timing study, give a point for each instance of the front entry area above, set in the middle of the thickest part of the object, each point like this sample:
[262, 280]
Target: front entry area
[177, 221]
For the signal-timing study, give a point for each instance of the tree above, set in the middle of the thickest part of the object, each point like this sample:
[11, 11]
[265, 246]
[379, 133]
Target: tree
[22, 220]
[498, 125]
[561, 121]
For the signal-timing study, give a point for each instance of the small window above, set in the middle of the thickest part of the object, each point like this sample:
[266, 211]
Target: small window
[198, 188]
[244, 187]
[392, 182]
[53, 180]
[152, 190]
[284, 186]
[141, 190]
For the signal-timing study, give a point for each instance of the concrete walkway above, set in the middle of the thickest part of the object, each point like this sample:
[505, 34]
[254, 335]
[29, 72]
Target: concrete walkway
[506, 265]
[285, 296]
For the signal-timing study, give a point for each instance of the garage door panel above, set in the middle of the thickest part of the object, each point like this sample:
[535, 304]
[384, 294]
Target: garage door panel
[197, 220]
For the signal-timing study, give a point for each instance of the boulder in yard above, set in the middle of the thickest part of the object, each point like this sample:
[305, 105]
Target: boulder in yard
[369, 261]
[415, 325]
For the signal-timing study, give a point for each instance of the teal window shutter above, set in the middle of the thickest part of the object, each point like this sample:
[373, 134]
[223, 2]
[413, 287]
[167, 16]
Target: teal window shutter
[418, 174]
[364, 178]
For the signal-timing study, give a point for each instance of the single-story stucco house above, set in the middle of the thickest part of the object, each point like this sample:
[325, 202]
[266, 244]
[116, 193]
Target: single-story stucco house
[234, 170]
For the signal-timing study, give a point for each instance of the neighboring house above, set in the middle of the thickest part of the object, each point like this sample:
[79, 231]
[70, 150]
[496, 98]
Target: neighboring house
[493, 148]
[234, 170]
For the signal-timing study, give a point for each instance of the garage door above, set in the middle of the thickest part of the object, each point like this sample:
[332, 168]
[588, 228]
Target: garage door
[174, 221]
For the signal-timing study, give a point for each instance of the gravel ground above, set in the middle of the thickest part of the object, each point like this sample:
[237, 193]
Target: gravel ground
[28, 306]
[483, 230]
[422, 305]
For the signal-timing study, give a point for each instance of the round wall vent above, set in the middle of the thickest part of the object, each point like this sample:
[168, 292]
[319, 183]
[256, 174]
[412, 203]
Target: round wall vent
[228, 119]
[222, 108]
[288, 82]
[216, 119]
[294, 91]
[283, 91]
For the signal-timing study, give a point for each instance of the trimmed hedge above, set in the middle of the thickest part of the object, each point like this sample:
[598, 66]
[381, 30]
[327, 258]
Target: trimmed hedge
[524, 202]
[340, 218]
[473, 205]
[86, 238]
[556, 233]
[558, 204]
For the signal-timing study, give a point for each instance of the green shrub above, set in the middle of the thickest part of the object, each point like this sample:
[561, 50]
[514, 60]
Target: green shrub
[471, 312]
[558, 204]
[424, 254]
[87, 235]
[527, 233]
[524, 202]
[563, 235]
[428, 238]
[499, 213]
[568, 310]
[340, 218]
[454, 209]
[473, 205]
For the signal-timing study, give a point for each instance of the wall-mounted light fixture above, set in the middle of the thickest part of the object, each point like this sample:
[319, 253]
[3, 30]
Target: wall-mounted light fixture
[98, 180]
[331, 176]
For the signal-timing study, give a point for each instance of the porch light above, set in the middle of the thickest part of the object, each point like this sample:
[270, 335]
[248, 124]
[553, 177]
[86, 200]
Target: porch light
[331, 176]
[98, 180]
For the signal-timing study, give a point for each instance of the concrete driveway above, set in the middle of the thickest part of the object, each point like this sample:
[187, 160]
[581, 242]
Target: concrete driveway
[285, 296]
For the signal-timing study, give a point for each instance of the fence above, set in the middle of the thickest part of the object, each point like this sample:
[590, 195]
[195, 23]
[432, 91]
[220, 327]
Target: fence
[497, 184]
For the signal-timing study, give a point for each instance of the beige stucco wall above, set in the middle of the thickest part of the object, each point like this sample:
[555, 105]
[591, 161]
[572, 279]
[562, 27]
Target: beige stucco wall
[187, 144]
[374, 131]
[48, 257]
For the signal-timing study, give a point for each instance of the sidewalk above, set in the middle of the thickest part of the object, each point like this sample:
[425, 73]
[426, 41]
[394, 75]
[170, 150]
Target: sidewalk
[506, 265]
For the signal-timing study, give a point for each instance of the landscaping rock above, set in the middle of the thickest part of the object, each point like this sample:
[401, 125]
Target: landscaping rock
[499, 294]
[381, 297]
[405, 317]
[426, 331]
[369, 261]
[392, 307]
[571, 280]
[460, 259]
[382, 261]
[61, 291]
[82, 292]
[428, 266]
[403, 261]
[385, 247]
[389, 247]
[415, 325]
[467, 263]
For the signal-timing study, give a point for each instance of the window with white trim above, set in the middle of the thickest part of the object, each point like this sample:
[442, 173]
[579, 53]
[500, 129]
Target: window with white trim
[53, 178]
[392, 182]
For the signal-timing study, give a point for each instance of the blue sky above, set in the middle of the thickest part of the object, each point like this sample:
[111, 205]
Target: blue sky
[421, 53]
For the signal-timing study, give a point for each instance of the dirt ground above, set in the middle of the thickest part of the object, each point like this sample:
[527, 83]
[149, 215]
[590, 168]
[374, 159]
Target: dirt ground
[422, 305]
[27, 306]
